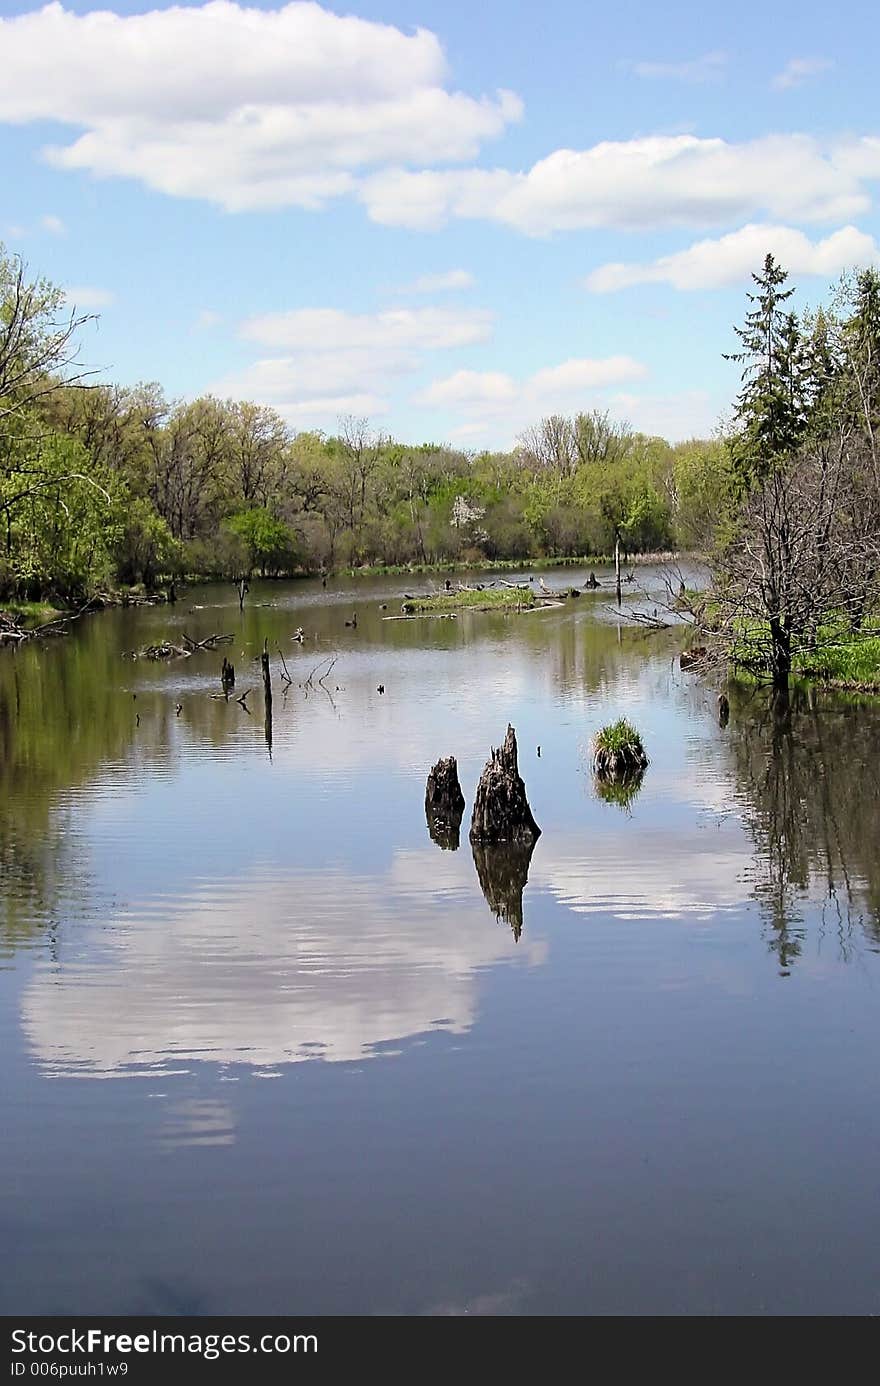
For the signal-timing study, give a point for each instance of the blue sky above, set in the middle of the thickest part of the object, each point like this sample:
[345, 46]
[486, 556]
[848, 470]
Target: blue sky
[451, 218]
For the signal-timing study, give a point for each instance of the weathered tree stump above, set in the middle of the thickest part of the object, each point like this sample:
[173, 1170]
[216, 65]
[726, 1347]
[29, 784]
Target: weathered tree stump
[444, 804]
[503, 871]
[501, 809]
[227, 675]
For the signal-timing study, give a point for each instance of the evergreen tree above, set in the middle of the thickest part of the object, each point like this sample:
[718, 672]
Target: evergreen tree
[771, 407]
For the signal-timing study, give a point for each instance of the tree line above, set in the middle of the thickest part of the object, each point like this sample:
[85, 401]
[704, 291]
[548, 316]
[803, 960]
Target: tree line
[102, 485]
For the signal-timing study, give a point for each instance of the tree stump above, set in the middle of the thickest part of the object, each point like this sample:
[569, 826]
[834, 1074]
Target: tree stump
[501, 809]
[444, 804]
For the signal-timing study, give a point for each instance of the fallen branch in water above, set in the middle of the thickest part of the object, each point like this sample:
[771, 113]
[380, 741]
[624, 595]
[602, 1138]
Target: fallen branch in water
[285, 676]
[329, 660]
[166, 649]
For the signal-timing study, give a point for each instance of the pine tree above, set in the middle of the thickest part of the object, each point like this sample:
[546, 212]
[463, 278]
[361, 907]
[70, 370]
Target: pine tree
[861, 338]
[771, 406]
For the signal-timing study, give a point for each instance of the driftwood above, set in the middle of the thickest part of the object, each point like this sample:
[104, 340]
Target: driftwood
[444, 804]
[167, 649]
[503, 872]
[501, 809]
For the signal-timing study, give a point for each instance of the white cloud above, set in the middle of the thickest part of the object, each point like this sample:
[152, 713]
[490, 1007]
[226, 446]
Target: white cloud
[244, 107]
[800, 70]
[676, 417]
[652, 182]
[445, 282]
[553, 387]
[709, 67]
[408, 329]
[344, 363]
[87, 297]
[483, 391]
[207, 319]
[584, 374]
[710, 264]
[54, 225]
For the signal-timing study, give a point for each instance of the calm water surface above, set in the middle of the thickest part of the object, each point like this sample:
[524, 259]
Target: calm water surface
[267, 1048]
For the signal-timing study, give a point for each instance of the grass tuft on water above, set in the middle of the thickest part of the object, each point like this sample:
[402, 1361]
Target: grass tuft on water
[618, 752]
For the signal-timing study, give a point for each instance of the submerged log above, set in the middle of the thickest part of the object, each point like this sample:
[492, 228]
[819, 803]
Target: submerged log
[501, 809]
[503, 871]
[444, 804]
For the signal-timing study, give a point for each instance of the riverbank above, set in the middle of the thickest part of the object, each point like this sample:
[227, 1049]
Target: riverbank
[503, 565]
[842, 659]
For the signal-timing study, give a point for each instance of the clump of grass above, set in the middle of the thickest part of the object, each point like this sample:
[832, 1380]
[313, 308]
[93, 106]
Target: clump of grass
[490, 600]
[31, 613]
[618, 752]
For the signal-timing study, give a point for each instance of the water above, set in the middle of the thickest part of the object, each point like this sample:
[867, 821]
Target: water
[267, 1048]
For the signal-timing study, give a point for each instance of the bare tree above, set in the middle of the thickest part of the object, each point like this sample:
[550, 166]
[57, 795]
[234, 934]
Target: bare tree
[799, 568]
[39, 351]
[550, 444]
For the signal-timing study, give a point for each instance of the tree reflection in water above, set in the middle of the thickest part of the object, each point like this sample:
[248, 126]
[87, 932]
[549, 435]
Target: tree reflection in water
[445, 828]
[809, 796]
[503, 871]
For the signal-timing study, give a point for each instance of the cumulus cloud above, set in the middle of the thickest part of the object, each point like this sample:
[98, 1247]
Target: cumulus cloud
[248, 108]
[800, 70]
[54, 225]
[88, 297]
[641, 184]
[446, 281]
[323, 329]
[710, 264]
[344, 363]
[707, 68]
[492, 392]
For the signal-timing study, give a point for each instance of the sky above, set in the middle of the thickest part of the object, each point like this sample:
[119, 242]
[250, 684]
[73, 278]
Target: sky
[452, 219]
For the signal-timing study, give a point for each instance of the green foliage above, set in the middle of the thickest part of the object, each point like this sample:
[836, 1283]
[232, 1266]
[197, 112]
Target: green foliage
[618, 736]
[267, 542]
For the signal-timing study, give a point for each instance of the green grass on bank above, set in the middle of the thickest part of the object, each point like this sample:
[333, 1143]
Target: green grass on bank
[840, 657]
[492, 599]
[854, 664]
[30, 613]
